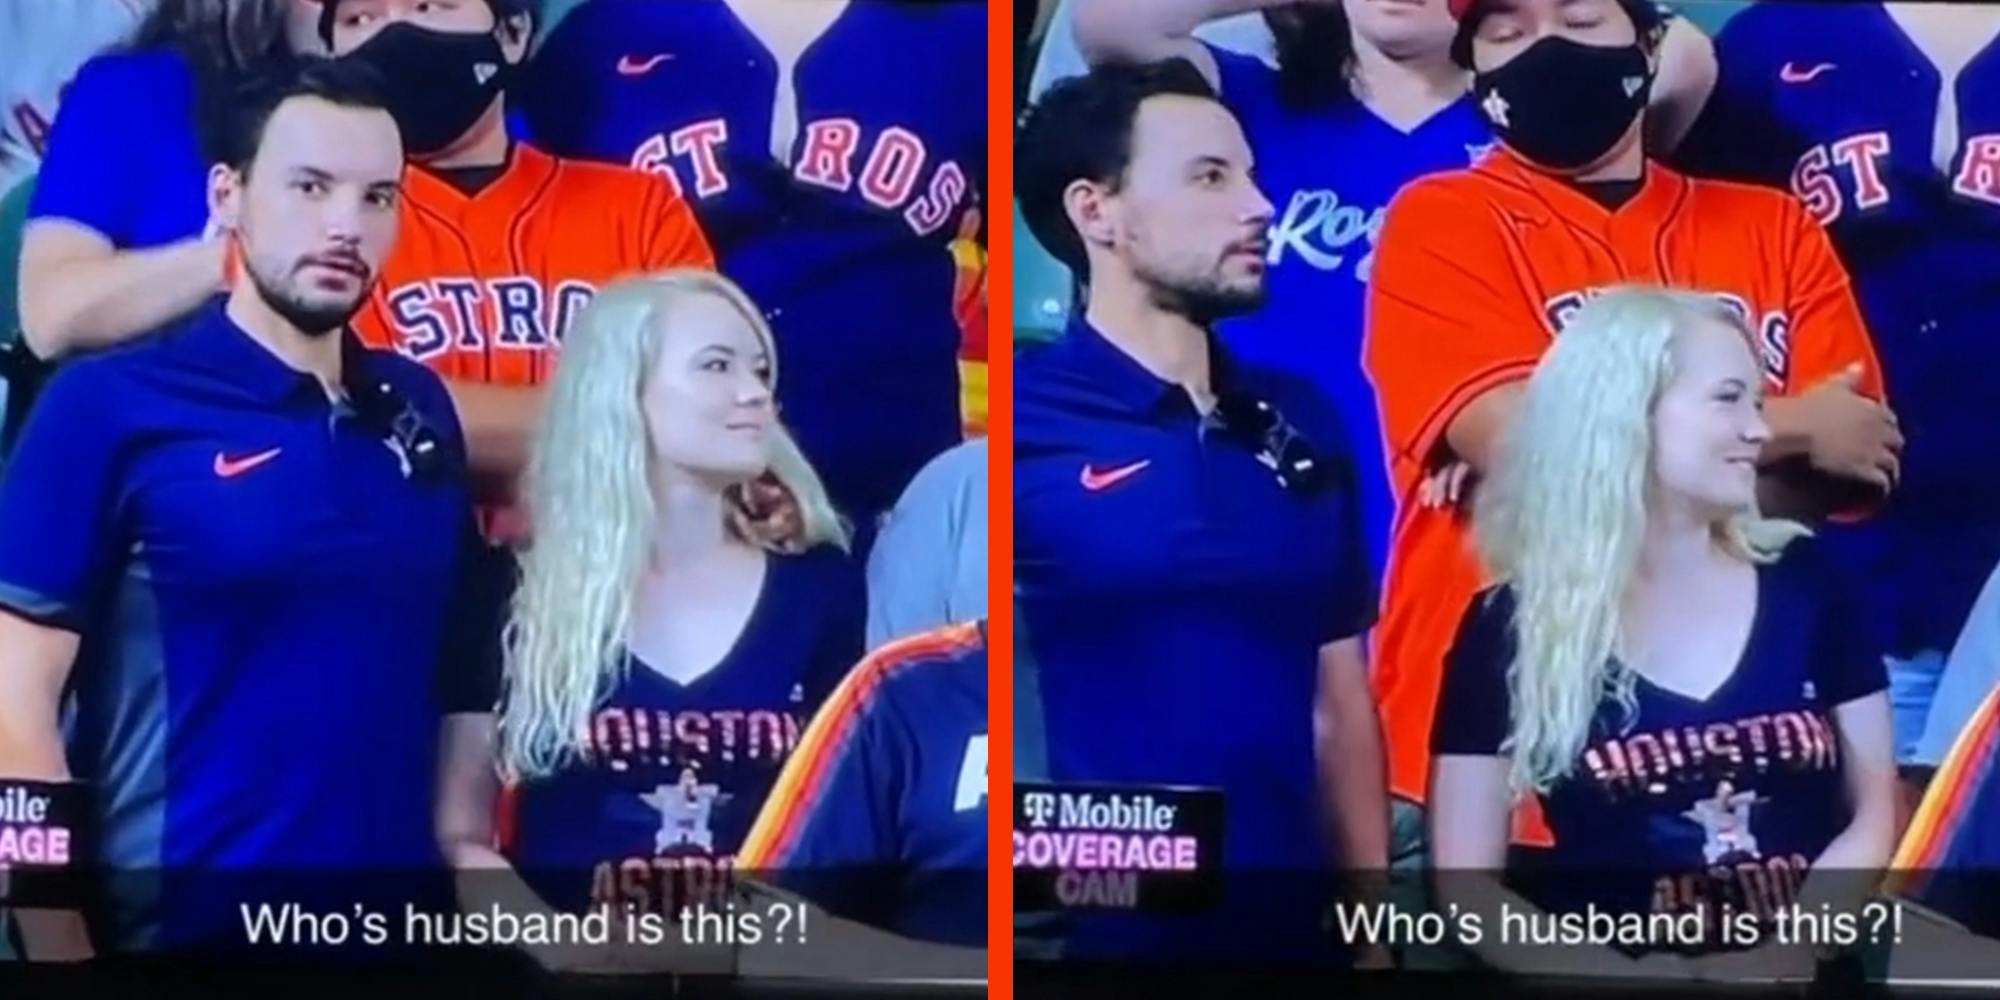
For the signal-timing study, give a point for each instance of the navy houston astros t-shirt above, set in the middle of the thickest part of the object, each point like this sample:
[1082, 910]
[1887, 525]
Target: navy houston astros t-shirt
[1723, 801]
[674, 774]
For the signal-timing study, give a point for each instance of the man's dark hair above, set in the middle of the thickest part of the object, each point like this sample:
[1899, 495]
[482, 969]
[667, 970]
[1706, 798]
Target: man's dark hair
[237, 129]
[1648, 17]
[502, 10]
[1081, 129]
[1315, 51]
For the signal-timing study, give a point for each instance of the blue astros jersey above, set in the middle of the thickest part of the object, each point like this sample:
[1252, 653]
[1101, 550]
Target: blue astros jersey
[1836, 104]
[651, 817]
[1690, 803]
[1950, 852]
[260, 584]
[835, 209]
[1330, 173]
[881, 814]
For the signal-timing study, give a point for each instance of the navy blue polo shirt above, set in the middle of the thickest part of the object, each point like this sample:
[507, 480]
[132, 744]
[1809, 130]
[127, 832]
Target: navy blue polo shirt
[1691, 802]
[261, 590]
[1177, 595]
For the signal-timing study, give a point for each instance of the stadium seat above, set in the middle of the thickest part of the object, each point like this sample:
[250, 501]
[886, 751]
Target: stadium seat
[13, 218]
[13, 353]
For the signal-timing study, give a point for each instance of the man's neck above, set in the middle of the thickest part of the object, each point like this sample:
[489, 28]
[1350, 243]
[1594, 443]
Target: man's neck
[1405, 92]
[318, 356]
[483, 145]
[1170, 345]
[1626, 162]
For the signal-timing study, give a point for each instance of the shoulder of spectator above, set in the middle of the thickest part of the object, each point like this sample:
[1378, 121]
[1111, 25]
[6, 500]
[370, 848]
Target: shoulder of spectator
[620, 184]
[1441, 198]
[128, 72]
[952, 470]
[892, 673]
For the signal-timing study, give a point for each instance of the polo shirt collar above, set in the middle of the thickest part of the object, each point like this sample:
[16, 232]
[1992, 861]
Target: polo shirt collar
[245, 362]
[1109, 368]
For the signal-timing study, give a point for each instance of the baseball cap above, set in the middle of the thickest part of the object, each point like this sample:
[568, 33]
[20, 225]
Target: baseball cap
[1648, 15]
[1460, 9]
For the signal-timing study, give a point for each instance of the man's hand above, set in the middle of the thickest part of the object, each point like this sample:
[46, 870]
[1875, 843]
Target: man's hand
[1847, 434]
[1445, 487]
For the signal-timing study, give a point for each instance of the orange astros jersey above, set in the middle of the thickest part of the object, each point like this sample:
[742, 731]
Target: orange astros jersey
[1476, 271]
[482, 287]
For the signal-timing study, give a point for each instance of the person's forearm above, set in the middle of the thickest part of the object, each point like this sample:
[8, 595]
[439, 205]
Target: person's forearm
[1123, 29]
[499, 423]
[1355, 779]
[70, 305]
[1847, 872]
[1476, 434]
[1790, 437]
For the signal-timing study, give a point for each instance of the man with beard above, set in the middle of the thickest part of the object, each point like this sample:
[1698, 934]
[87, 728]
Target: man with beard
[503, 245]
[226, 555]
[1187, 548]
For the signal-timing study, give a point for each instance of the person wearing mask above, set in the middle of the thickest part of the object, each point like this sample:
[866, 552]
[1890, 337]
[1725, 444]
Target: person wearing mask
[1480, 269]
[1683, 683]
[504, 244]
[1364, 97]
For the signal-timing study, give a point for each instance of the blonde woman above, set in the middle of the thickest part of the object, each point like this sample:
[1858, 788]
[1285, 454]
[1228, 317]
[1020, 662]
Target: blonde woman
[685, 603]
[1680, 683]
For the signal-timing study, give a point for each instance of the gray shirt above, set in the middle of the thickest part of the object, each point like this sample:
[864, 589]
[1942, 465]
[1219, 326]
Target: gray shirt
[928, 565]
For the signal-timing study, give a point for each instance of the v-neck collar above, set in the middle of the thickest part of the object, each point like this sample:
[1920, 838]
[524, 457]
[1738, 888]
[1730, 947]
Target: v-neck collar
[1637, 222]
[1761, 594]
[753, 625]
[763, 47]
[526, 169]
[1434, 121]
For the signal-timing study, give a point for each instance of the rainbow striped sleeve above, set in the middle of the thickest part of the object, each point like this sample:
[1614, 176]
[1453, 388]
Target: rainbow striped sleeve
[829, 800]
[1954, 825]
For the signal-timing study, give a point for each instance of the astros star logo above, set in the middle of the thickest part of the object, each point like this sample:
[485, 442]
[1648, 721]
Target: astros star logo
[1495, 107]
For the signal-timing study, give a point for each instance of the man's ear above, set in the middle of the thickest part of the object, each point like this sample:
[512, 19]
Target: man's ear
[225, 196]
[1087, 203]
[515, 33]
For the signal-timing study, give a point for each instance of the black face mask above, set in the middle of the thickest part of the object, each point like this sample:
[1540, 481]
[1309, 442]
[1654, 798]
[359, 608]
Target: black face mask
[438, 82]
[1564, 104]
